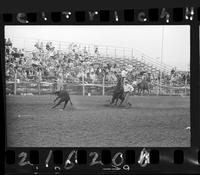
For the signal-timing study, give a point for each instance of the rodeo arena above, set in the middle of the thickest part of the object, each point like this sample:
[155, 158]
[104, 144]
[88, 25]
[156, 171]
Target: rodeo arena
[119, 97]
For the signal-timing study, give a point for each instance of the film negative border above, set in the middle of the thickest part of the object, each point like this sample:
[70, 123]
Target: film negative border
[129, 16]
[104, 160]
[55, 161]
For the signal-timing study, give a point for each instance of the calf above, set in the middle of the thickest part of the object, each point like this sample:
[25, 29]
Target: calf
[63, 95]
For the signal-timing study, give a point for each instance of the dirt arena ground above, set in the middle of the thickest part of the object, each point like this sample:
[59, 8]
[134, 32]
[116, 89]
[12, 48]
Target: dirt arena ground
[152, 121]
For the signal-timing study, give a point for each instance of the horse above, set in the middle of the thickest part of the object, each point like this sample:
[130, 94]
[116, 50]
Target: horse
[63, 95]
[118, 92]
[144, 85]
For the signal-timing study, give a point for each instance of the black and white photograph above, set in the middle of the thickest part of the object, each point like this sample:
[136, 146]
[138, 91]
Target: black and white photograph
[97, 85]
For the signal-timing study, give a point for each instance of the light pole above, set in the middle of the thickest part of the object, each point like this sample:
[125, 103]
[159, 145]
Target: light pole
[162, 38]
[162, 44]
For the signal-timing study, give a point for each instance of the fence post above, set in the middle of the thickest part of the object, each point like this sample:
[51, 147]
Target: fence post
[171, 90]
[59, 45]
[26, 88]
[39, 87]
[185, 87]
[106, 51]
[24, 43]
[103, 92]
[15, 84]
[159, 84]
[83, 84]
[89, 50]
[132, 53]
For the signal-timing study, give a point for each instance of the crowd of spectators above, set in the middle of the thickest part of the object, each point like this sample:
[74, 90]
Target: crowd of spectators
[76, 65]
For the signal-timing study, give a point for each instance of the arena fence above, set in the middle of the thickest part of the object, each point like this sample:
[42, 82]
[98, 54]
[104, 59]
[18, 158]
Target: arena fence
[42, 88]
[33, 87]
[171, 90]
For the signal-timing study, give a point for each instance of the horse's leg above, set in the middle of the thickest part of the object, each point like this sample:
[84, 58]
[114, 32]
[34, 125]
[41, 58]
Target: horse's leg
[116, 101]
[113, 99]
[117, 98]
[61, 100]
[134, 91]
[122, 100]
[66, 101]
[140, 92]
[56, 99]
[147, 91]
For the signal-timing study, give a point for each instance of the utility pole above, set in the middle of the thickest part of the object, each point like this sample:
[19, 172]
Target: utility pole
[160, 74]
[162, 45]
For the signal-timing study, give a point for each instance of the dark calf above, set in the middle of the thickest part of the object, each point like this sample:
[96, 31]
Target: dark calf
[63, 95]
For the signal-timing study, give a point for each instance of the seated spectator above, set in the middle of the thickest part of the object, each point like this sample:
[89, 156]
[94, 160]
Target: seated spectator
[37, 45]
[134, 84]
[93, 77]
[123, 73]
[8, 42]
[49, 46]
[173, 71]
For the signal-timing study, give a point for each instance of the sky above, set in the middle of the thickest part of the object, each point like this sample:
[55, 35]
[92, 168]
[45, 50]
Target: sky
[147, 39]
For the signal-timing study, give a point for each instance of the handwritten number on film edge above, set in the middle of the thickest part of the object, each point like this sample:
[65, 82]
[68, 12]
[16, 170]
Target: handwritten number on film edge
[23, 161]
[121, 161]
[48, 158]
[117, 162]
[94, 160]
[70, 164]
[57, 169]
[120, 155]
[36, 170]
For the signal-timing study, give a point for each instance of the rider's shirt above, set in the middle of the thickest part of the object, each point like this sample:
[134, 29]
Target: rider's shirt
[134, 83]
[143, 77]
[123, 73]
[128, 88]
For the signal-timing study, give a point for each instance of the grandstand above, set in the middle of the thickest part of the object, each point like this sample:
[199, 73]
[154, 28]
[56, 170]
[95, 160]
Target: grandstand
[109, 54]
[88, 57]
